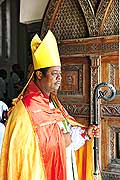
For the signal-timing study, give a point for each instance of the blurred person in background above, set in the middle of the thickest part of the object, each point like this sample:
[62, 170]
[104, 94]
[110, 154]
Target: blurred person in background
[3, 88]
[14, 82]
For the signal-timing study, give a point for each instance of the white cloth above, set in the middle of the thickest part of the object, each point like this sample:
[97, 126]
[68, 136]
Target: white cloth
[3, 107]
[77, 139]
[71, 164]
[2, 130]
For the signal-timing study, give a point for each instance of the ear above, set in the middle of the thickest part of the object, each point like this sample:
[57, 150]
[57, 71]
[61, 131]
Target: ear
[39, 75]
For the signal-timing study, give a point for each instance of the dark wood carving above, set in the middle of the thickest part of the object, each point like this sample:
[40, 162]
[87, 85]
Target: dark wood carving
[110, 176]
[90, 46]
[110, 110]
[65, 19]
[77, 110]
[110, 160]
[73, 19]
[72, 80]
[95, 79]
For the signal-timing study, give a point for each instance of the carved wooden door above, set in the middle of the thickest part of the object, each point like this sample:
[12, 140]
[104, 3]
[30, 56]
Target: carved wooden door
[75, 94]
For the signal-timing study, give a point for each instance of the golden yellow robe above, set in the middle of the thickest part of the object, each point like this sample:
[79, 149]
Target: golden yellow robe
[20, 157]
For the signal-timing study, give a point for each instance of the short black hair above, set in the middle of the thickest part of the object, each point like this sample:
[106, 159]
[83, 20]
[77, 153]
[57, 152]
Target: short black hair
[43, 70]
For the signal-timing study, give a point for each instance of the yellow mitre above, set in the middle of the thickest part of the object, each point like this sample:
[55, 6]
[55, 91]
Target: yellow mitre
[45, 53]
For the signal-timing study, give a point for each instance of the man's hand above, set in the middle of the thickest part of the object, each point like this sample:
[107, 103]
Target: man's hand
[93, 131]
[67, 138]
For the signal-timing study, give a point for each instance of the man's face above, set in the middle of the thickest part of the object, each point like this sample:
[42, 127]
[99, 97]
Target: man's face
[51, 82]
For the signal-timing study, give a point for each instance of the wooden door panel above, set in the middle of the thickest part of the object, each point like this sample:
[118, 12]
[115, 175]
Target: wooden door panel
[110, 73]
[110, 148]
[74, 90]
[110, 121]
